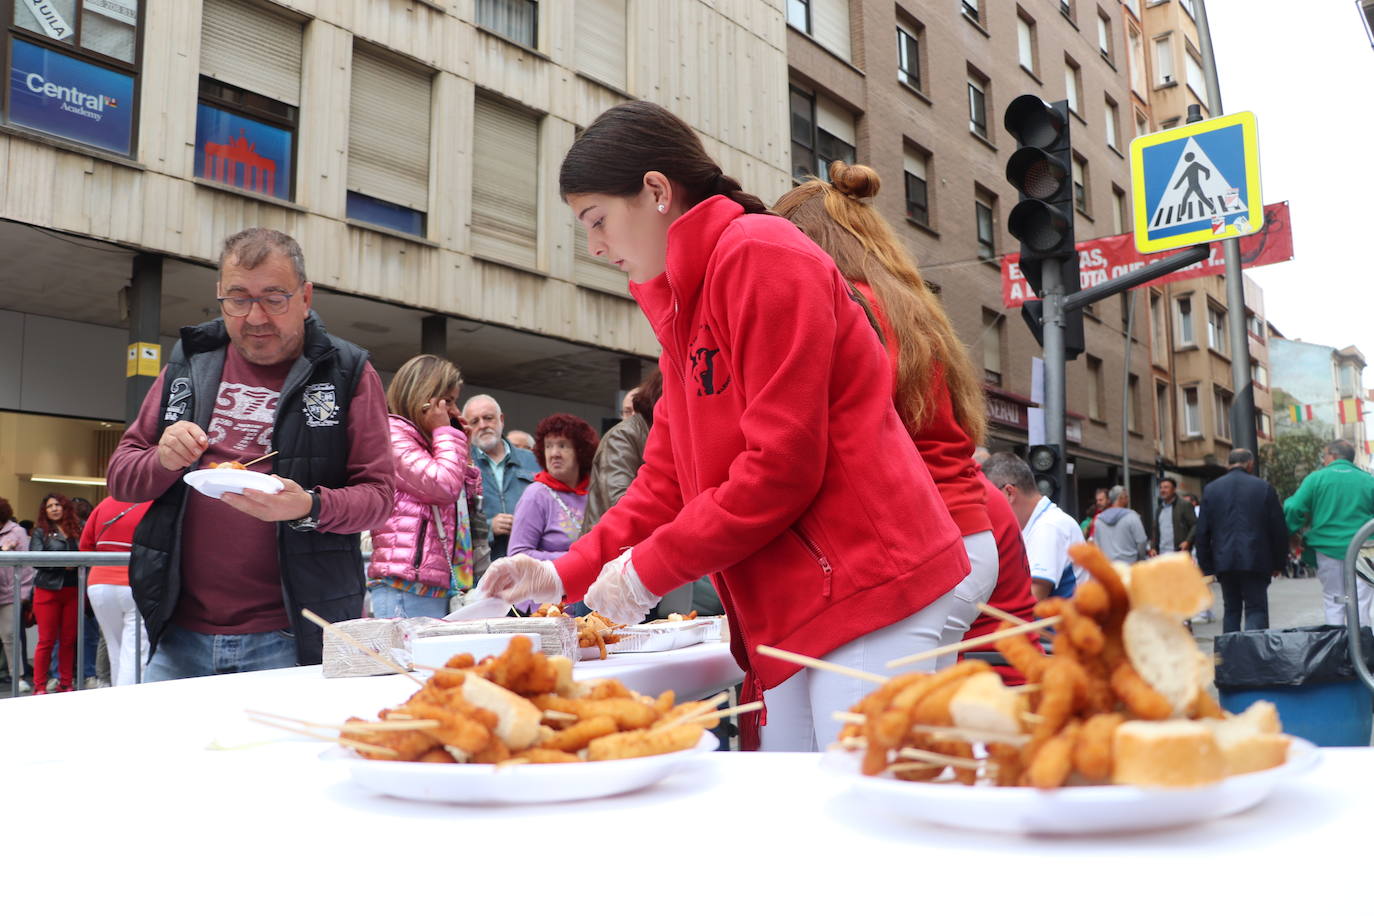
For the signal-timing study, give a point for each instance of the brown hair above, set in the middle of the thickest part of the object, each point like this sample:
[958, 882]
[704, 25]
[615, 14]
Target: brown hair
[833, 213]
[647, 395]
[576, 430]
[6, 510]
[69, 527]
[633, 138]
[250, 247]
[417, 383]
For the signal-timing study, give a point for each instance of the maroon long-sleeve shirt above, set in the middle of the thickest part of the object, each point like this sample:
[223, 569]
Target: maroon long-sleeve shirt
[230, 575]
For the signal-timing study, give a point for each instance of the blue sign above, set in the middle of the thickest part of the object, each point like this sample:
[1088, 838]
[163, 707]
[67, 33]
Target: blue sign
[1197, 183]
[66, 97]
[242, 152]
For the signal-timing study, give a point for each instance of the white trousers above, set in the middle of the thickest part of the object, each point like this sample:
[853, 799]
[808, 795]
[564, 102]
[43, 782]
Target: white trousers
[119, 620]
[1330, 573]
[799, 709]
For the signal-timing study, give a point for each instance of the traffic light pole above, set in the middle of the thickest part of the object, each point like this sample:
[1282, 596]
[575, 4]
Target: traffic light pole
[1052, 287]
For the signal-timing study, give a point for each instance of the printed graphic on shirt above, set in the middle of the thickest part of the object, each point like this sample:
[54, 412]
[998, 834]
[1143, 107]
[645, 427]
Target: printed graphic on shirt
[178, 399]
[321, 405]
[712, 377]
[243, 418]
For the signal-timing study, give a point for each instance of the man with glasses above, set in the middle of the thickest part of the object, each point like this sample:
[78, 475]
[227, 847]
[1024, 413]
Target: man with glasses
[507, 468]
[221, 583]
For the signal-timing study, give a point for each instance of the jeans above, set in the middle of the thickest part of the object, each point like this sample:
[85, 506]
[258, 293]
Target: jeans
[1248, 589]
[392, 602]
[185, 653]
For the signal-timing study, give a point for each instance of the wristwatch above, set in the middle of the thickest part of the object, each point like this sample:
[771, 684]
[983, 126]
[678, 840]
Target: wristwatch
[310, 521]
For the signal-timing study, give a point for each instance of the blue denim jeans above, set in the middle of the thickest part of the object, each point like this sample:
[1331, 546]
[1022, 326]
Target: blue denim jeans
[392, 602]
[185, 653]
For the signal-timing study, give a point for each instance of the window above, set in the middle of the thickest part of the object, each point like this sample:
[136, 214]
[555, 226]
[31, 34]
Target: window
[972, 10]
[1184, 304]
[984, 215]
[1192, 412]
[1162, 434]
[1073, 85]
[1164, 60]
[1255, 325]
[517, 20]
[600, 40]
[1134, 7]
[1259, 374]
[992, 347]
[1080, 184]
[505, 204]
[1104, 35]
[1096, 394]
[909, 56]
[822, 132]
[72, 70]
[1348, 377]
[799, 15]
[388, 142]
[1266, 428]
[1137, 61]
[978, 105]
[1168, 123]
[1159, 329]
[1223, 407]
[1197, 82]
[917, 186]
[827, 21]
[1216, 330]
[1142, 123]
[1121, 219]
[1133, 405]
[1066, 8]
[1112, 116]
[1025, 40]
[1188, 8]
[250, 87]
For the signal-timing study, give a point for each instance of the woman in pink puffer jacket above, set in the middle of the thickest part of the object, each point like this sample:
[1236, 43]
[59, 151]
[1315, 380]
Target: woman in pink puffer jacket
[422, 555]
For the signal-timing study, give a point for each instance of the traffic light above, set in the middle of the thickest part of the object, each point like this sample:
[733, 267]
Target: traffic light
[1044, 461]
[1041, 170]
[1033, 314]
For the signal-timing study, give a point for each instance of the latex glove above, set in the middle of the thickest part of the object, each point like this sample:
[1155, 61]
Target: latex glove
[522, 578]
[618, 595]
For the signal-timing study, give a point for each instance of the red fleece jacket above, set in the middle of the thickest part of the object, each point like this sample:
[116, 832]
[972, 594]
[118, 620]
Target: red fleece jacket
[776, 461]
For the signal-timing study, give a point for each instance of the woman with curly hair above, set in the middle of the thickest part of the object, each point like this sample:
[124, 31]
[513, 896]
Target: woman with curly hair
[548, 517]
[54, 592]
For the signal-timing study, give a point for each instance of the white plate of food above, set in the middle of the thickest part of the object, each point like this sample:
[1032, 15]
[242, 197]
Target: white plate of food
[215, 482]
[503, 784]
[1071, 809]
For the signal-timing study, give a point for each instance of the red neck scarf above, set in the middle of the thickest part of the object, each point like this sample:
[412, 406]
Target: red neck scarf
[553, 483]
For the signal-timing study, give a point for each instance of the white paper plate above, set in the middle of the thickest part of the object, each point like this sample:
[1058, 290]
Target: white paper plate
[660, 637]
[1074, 810]
[215, 482]
[486, 784]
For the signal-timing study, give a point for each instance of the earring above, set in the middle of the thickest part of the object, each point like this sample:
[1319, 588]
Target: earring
[662, 208]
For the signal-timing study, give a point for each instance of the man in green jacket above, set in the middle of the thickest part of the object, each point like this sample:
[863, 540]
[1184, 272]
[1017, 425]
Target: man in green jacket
[1332, 503]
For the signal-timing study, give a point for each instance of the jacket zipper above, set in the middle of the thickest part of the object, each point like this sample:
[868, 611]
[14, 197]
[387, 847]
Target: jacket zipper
[817, 555]
[420, 545]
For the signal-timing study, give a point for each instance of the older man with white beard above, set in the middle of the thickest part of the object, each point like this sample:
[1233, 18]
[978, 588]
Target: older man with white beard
[506, 469]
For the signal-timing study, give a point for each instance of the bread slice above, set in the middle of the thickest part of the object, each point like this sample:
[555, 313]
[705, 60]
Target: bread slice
[1171, 583]
[1164, 653]
[985, 704]
[517, 719]
[1175, 753]
[1252, 740]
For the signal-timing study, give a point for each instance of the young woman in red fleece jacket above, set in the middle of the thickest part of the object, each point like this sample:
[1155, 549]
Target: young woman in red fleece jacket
[937, 394]
[777, 462]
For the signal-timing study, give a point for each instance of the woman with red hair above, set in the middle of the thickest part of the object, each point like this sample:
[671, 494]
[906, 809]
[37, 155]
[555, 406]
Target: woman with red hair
[54, 592]
[548, 517]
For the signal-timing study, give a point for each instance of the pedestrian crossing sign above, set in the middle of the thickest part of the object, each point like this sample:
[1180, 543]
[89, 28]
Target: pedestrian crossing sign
[1197, 183]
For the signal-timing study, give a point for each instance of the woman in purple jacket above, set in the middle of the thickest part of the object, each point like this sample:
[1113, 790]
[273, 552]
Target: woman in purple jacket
[548, 517]
[422, 555]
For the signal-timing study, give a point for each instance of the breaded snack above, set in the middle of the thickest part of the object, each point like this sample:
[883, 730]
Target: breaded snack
[1054, 761]
[645, 743]
[1140, 698]
[545, 755]
[1092, 752]
[577, 736]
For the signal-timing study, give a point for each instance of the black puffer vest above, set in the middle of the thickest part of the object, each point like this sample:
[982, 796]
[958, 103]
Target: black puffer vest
[320, 571]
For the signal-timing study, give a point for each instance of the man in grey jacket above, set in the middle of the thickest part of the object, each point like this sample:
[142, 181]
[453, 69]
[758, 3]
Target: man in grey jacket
[1119, 530]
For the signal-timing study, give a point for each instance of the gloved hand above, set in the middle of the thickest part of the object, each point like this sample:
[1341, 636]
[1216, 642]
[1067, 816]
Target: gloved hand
[618, 595]
[522, 578]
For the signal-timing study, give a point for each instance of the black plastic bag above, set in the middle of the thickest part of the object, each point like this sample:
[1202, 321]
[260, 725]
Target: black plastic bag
[1249, 659]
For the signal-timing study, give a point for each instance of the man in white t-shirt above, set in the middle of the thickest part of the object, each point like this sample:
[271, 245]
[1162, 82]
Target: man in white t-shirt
[1046, 529]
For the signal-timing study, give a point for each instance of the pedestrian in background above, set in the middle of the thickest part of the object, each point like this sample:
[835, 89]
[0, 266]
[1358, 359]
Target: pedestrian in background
[1173, 525]
[422, 553]
[1330, 506]
[54, 592]
[549, 516]
[507, 469]
[521, 439]
[111, 529]
[1102, 501]
[1242, 539]
[12, 579]
[1047, 530]
[1118, 529]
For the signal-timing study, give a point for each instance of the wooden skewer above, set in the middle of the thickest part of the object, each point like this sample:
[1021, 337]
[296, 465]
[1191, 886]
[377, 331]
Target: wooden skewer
[971, 643]
[911, 753]
[668, 721]
[1034, 718]
[969, 734]
[1024, 688]
[854, 742]
[821, 665]
[717, 713]
[1000, 614]
[556, 716]
[854, 718]
[259, 458]
[346, 742]
[375, 656]
[408, 724]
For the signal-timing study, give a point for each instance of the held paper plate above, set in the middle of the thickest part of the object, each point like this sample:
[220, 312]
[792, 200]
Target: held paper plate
[215, 482]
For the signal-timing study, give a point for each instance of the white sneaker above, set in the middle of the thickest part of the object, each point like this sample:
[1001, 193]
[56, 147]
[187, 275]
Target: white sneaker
[1205, 617]
[25, 686]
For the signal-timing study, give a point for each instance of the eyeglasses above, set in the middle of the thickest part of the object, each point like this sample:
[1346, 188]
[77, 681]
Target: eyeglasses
[240, 306]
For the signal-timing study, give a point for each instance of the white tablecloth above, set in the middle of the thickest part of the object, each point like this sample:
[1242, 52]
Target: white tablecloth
[114, 802]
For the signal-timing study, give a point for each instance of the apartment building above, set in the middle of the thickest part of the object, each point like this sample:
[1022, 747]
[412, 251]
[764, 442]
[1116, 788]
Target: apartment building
[917, 90]
[1318, 390]
[412, 147]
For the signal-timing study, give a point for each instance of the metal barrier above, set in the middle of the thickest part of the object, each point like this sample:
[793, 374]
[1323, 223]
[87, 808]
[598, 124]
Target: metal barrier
[1352, 603]
[82, 560]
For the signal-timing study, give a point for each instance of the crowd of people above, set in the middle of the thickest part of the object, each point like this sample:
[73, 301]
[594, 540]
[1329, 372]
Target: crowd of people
[809, 447]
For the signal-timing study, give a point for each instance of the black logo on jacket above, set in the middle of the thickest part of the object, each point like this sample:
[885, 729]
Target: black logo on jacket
[712, 377]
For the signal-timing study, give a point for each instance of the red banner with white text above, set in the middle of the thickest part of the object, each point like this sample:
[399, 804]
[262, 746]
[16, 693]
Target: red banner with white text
[1102, 259]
